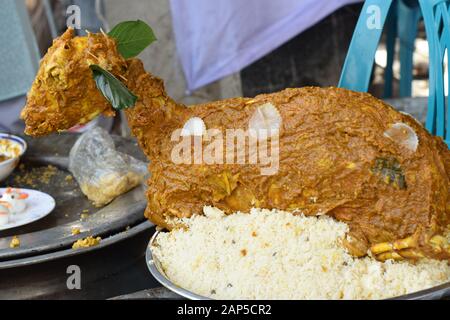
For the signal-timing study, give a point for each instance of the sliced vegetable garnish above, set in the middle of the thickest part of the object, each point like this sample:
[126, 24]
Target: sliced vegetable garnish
[404, 135]
[265, 122]
[194, 127]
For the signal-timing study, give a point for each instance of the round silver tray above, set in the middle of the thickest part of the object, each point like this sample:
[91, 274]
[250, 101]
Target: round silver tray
[54, 233]
[158, 273]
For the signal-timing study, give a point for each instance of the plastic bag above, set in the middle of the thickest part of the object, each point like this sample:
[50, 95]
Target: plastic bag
[102, 172]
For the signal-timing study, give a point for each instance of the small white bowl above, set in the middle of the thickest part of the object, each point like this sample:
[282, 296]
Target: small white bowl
[13, 147]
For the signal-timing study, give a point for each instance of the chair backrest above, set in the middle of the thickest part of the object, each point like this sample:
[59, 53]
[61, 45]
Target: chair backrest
[437, 25]
[358, 65]
[408, 17]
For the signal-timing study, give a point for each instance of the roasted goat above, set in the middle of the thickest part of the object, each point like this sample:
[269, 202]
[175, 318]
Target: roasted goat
[341, 153]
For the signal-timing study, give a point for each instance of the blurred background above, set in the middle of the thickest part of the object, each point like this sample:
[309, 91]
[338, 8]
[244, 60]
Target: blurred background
[208, 50]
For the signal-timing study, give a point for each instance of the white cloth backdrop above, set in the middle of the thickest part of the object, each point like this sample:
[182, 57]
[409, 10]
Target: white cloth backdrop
[216, 38]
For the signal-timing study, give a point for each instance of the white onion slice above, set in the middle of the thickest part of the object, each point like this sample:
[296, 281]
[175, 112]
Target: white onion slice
[194, 127]
[404, 135]
[265, 122]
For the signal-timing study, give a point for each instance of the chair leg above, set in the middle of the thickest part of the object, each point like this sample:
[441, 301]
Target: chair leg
[391, 35]
[358, 65]
[408, 19]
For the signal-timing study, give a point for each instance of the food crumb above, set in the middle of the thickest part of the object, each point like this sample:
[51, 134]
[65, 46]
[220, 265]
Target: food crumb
[243, 252]
[36, 176]
[76, 231]
[84, 216]
[86, 243]
[48, 174]
[69, 178]
[15, 242]
[254, 234]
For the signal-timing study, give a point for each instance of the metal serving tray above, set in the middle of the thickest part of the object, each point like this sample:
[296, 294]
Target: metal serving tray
[157, 271]
[54, 233]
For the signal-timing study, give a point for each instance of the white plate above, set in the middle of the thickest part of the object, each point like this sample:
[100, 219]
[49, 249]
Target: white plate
[39, 205]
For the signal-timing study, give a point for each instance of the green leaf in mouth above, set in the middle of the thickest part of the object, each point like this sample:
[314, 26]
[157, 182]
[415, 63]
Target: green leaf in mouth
[112, 89]
[132, 37]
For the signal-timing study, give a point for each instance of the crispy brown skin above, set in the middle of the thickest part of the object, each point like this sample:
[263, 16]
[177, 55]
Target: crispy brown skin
[330, 141]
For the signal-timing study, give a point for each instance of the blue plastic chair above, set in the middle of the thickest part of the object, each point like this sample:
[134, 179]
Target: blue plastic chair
[358, 65]
[402, 23]
[437, 25]
[392, 22]
[409, 15]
